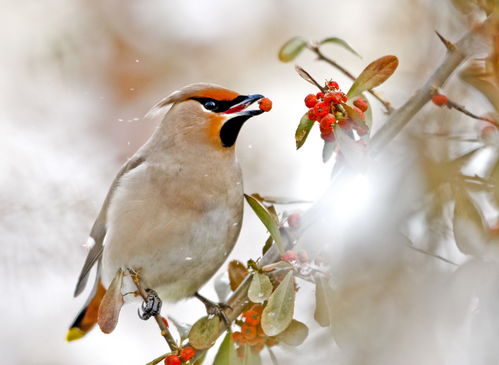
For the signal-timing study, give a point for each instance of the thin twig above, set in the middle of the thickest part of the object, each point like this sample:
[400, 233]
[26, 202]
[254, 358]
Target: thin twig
[165, 331]
[420, 250]
[462, 109]
[405, 113]
[315, 48]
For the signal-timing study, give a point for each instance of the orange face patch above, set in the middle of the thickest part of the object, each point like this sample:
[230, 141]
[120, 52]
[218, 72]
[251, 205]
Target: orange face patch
[215, 123]
[217, 94]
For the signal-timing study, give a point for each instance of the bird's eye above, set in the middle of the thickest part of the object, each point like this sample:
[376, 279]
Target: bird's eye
[210, 105]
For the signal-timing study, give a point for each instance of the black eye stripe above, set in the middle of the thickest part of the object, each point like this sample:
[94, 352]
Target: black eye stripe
[220, 105]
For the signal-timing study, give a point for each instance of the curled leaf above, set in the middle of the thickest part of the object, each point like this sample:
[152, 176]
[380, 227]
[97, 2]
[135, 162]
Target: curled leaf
[291, 49]
[110, 307]
[267, 219]
[237, 273]
[303, 130]
[204, 332]
[373, 75]
[294, 335]
[278, 312]
[260, 288]
[341, 43]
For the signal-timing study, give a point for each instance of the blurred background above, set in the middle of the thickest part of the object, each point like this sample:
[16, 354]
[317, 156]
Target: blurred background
[77, 79]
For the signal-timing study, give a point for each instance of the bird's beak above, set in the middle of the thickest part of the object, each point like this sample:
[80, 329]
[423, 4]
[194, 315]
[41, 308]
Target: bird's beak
[240, 107]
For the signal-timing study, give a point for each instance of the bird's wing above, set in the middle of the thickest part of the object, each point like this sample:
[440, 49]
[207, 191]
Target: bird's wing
[98, 231]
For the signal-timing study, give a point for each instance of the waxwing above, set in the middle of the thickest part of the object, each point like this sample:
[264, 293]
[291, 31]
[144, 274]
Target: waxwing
[175, 208]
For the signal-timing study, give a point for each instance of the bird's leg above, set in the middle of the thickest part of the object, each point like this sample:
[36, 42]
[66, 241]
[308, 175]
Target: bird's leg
[151, 306]
[213, 308]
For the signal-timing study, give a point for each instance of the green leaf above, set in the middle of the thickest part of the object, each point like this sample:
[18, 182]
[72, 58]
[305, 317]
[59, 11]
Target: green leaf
[204, 332]
[267, 219]
[260, 288]
[323, 300]
[373, 75]
[267, 245]
[291, 49]
[278, 312]
[250, 358]
[303, 130]
[294, 335]
[341, 43]
[327, 150]
[226, 354]
[201, 358]
[237, 273]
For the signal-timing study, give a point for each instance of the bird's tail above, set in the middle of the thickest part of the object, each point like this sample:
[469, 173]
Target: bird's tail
[87, 317]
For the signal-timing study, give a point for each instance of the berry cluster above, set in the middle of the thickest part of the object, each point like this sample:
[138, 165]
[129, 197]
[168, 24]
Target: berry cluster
[329, 110]
[183, 356]
[251, 332]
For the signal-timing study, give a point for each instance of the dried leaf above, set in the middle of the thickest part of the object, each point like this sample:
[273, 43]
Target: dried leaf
[295, 334]
[260, 288]
[237, 273]
[110, 307]
[303, 130]
[291, 49]
[373, 75]
[267, 219]
[341, 43]
[327, 150]
[226, 354]
[323, 300]
[204, 332]
[307, 77]
[278, 312]
[222, 286]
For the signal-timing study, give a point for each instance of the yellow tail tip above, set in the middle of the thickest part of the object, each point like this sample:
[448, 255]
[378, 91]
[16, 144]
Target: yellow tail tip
[74, 334]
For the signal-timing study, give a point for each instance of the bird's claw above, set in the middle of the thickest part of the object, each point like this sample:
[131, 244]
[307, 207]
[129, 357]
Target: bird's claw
[215, 309]
[151, 306]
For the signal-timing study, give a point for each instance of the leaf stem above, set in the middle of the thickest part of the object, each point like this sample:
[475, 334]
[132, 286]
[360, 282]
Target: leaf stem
[315, 48]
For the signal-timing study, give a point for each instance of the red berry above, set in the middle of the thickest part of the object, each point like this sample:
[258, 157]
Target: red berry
[329, 98]
[289, 256]
[327, 122]
[361, 104]
[336, 97]
[333, 85]
[310, 100]
[265, 104]
[360, 112]
[345, 123]
[320, 95]
[252, 317]
[294, 219]
[439, 99]
[344, 98]
[187, 353]
[321, 109]
[311, 114]
[249, 332]
[329, 137]
[165, 321]
[172, 360]
[236, 336]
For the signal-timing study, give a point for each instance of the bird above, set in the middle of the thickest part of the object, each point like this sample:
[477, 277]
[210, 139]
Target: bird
[174, 210]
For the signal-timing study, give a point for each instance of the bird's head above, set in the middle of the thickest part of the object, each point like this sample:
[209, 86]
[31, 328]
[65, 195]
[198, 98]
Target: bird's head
[208, 112]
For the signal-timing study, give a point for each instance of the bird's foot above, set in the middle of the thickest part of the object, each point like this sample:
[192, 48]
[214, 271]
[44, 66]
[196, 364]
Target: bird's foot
[216, 309]
[151, 305]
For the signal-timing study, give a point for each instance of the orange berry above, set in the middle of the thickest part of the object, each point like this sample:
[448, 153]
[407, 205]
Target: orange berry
[172, 360]
[256, 341]
[265, 104]
[327, 122]
[289, 256]
[248, 331]
[236, 337]
[439, 99]
[320, 95]
[252, 317]
[187, 353]
[361, 104]
[294, 219]
[321, 109]
[345, 123]
[310, 100]
[257, 348]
